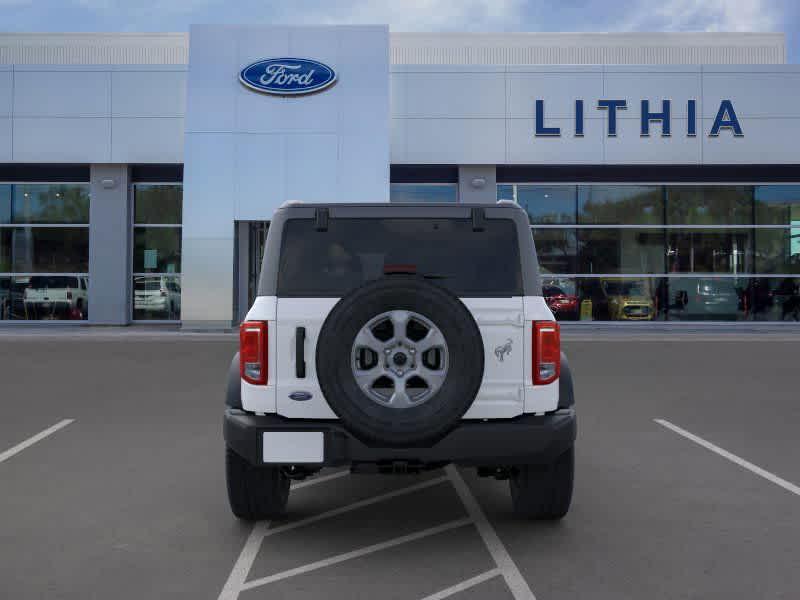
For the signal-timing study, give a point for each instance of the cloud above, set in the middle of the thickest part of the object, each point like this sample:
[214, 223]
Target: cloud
[705, 15]
[412, 15]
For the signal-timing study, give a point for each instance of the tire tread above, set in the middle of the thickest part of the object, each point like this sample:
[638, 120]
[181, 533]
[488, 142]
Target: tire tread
[544, 492]
[255, 493]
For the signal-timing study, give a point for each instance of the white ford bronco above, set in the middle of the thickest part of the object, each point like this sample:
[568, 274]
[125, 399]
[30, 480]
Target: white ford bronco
[399, 338]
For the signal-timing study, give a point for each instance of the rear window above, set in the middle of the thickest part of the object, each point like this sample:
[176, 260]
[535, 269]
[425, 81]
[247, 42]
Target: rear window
[446, 252]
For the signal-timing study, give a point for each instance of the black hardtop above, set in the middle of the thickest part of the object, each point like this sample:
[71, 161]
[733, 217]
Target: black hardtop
[322, 212]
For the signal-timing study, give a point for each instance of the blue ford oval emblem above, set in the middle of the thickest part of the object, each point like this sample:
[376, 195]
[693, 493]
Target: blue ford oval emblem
[287, 76]
[300, 396]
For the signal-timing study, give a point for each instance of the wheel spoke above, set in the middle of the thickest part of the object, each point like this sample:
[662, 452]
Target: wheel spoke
[433, 378]
[434, 339]
[400, 398]
[399, 323]
[366, 339]
[367, 377]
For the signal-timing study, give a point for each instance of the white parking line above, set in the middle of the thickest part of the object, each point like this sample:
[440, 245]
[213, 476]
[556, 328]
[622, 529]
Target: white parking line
[788, 486]
[464, 585]
[514, 580]
[4, 456]
[241, 569]
[320, 479]
[355, 505]
[358, 553]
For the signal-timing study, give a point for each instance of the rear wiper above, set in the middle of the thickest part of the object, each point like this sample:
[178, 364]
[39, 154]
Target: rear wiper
[435, 276]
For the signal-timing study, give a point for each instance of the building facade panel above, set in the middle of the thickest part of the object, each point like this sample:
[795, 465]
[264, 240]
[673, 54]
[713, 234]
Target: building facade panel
[567, 148]
[6, 136]
[453, 141]
[61, 139]
[148, 93]
[147, 140]
[770, 94]
[77, 93]
[628, 147]
[764, 141]
[557, 90]
[453, 95]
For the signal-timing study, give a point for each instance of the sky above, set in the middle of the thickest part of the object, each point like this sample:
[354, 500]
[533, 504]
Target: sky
[414, 15]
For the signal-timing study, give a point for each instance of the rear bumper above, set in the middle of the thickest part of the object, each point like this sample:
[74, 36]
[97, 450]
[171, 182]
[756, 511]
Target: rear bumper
[527, 439]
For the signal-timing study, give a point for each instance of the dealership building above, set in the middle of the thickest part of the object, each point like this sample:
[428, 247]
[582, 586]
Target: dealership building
[139, 172]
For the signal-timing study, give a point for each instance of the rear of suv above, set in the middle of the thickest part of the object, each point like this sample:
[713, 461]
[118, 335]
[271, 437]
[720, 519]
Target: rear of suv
[399, 338]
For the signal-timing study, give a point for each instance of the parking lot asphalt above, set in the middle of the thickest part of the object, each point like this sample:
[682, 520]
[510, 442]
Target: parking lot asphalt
[125, 496]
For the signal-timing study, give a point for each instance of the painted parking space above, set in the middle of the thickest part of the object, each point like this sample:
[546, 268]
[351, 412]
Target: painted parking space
[129, 500]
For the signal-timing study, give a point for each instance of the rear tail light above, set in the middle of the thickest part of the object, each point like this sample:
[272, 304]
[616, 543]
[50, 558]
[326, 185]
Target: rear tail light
[253, 352]
[546, 352]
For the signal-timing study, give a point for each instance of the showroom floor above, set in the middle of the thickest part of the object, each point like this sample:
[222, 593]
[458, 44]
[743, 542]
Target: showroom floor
[111, 483]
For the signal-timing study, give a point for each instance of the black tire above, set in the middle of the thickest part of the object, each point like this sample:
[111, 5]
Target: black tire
[544, 491]
[366, 419]
[255, 493]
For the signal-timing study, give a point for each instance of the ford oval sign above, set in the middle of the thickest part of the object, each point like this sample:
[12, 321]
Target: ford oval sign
[287, 76]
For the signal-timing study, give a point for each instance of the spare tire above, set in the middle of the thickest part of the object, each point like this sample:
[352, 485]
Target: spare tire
[399, 360]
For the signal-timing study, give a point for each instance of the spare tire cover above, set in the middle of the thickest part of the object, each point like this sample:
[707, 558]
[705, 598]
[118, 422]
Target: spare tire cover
[400, 360]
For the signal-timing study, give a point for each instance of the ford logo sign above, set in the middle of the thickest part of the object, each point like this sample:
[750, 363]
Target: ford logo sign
[300, 396]
[287, 76]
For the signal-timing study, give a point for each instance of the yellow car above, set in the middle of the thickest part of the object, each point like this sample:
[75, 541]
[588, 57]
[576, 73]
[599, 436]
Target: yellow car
[628, 299]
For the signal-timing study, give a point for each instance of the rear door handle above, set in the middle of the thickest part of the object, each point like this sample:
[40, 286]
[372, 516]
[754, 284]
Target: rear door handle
[300, 352]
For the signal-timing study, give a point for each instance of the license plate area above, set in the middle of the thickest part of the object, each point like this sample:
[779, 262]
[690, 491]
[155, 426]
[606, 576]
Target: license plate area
[293, 447]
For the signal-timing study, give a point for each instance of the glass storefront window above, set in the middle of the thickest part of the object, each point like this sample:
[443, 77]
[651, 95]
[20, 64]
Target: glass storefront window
[620, 251]
[777, 205]
[157, 250]
[44, 297]
[548, 205]
[561, 295]
[44, 204]
[505, 192]
[709, 205]
[158, 204]
[774, 299]
[44, 251]
[708, 299]
[710, 251]
[620, 204]
[157, 214]
[778, 250]
[423, 192]
[156, 297]
[556, 249]
[621, 298]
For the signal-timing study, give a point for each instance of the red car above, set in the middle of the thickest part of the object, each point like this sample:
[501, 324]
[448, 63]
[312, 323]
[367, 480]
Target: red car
[563, 305]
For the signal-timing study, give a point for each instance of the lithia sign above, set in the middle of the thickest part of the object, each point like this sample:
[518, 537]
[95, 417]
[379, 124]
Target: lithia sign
[726, 119]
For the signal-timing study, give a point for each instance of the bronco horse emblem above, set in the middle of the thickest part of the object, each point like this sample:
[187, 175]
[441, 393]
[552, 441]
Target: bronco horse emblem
[501, 351]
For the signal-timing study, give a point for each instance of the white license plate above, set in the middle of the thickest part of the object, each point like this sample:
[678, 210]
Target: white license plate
[293, 447]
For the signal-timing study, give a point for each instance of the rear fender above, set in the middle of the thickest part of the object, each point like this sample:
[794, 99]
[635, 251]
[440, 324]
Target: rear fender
[233, 390]
[566, 391]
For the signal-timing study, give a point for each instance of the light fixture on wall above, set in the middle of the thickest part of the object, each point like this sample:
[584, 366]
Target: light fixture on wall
[478, 182]
[108, 183]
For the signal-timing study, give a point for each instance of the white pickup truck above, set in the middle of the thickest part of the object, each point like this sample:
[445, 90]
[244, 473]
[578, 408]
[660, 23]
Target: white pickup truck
[398, 338]
[56, 296]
